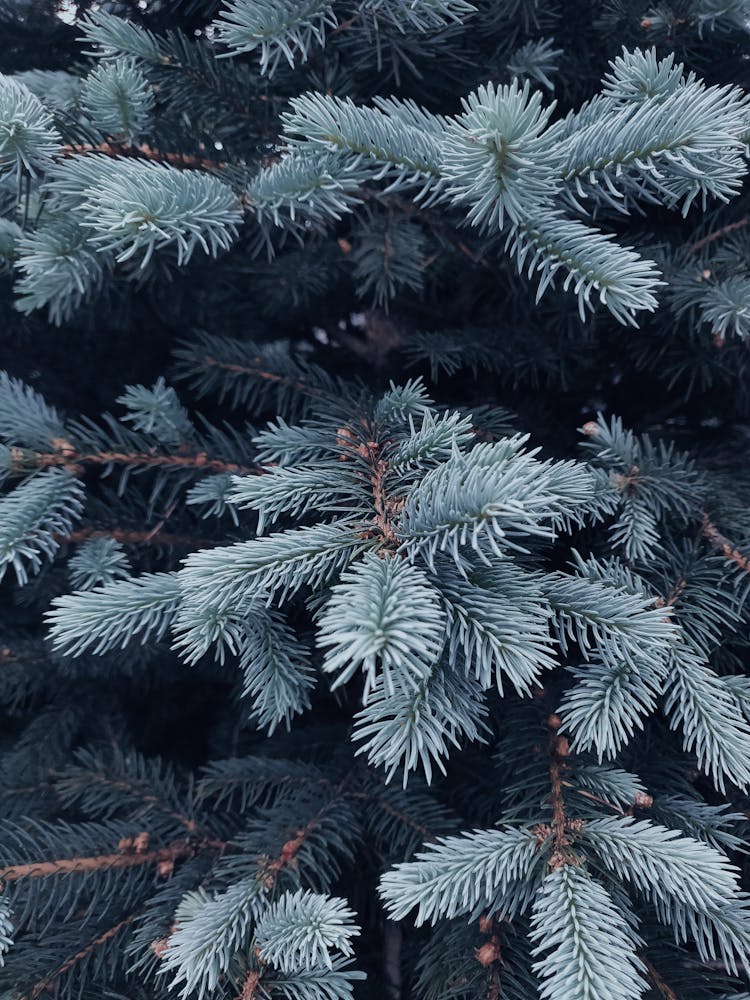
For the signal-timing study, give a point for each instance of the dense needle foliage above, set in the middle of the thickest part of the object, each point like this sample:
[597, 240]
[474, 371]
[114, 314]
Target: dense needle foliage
[374, 533]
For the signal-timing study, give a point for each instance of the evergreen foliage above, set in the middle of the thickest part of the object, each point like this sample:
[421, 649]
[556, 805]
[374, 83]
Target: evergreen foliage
[374, 546]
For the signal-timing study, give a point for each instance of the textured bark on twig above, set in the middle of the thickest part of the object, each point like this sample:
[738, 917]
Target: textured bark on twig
[105, 862]
[70, 963]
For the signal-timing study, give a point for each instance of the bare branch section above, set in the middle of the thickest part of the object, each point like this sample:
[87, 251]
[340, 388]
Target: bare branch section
[723, 545]
[106, 862]
[143, 151]
[48, 984]
[719, 233]
[67, 457]
[653, 974]
[208, 361]
[250, 986]
[274, 866]
[128, 537]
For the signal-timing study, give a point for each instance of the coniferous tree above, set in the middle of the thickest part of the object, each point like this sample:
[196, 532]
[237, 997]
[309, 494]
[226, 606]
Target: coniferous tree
[373, 530]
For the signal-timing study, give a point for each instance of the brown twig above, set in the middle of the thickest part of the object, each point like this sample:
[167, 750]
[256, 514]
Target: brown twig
[106, 862]
[345, 25]
[675, 593]
[383, 507]
[722, 544]
[97, 778]
[423, 831]
[68, 458]
[198, 461]
[128, 537]
[250, 986]
[494, 988]
[561, 825]
[386, 508]
[556, 794]
[142, 151]
[49, 983]
[666, 991]
[718, 233]
[599, 799]
[298, 384]
[288, 854]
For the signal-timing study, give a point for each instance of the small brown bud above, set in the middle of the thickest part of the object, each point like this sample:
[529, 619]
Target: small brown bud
[165, 868]
[590, 428]
[540, 832]
[160, 945]
[562, 746]
[619, 481]
[486, 924]
[140, 843]
[488, 953]
[554, 721]
[345, 439]
[643, 800]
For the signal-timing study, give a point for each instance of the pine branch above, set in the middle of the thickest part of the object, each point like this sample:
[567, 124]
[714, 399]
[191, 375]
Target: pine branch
[586, 945]
[493, 870]
[298, 385]
[210, 929]
[115, 613]
[48, 984]
[304, 930]
[280, 563]
[425, 834]
[33, 516]
[87, 776]
[383, 617]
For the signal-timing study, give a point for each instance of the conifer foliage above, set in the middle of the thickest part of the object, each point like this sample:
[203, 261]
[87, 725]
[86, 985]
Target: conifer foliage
[383, 633]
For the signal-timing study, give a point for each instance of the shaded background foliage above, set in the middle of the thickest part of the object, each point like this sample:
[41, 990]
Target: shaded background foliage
[585, 367]
[673, 374]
